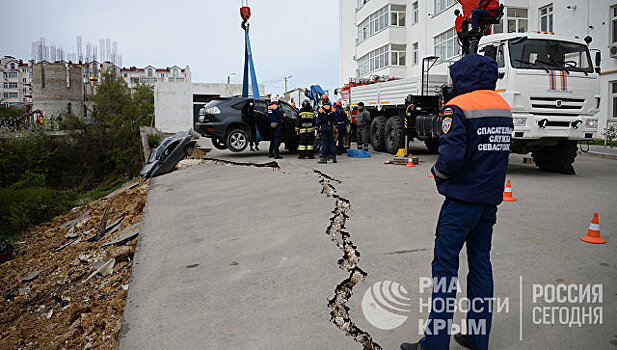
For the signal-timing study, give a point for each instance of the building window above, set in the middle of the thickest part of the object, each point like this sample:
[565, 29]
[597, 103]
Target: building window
[442, 5]
[12, 65]
[150, 72]
[384, 56]
[614, 24]
[134, 81]
[398, 16]
[516, 19]
[373, 24]
[414, 54]
[398, 54]
[546, 18]
[361, 3]
[446, 45]
[12, 85]
[380, 20]
[415, 14]
[614, 99]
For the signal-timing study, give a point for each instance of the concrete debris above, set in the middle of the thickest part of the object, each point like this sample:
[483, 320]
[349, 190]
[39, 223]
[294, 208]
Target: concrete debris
[128, 187]
[105, 270]
[115, 223]
[71, 234]
[100, 232]
[75, 221]
[82, 312]
[78, 239]
[128, 234]
[349, 262]
[32, 276]
[189, 163]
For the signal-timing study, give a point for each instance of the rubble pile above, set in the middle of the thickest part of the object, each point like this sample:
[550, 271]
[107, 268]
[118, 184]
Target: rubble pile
[66, 284]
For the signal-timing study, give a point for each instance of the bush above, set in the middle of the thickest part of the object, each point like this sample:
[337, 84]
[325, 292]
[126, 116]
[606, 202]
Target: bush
[42, 176]
[153, 141]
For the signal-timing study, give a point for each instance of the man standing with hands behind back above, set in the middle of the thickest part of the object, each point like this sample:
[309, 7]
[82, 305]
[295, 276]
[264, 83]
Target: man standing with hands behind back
[470, 172]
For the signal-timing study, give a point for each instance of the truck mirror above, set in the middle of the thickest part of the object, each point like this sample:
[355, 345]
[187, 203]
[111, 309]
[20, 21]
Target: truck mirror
[502, 75]
[598, 62]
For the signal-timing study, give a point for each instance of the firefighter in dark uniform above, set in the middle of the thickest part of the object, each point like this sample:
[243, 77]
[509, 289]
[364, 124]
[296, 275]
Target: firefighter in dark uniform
[276, 123]
[326, 125]
[470, 172]
[341, 126]
[306, 131]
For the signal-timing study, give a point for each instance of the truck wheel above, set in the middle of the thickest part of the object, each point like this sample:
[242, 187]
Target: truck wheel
[432, 145]
[558, 158]
[218, 144]
[395, 135]
[6, 250]
[237, 140]
[378, 132]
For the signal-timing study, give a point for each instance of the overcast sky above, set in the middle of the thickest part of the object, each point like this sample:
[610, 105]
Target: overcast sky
[298, 38]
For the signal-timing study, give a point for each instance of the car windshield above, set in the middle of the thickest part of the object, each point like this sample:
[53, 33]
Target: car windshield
[550, 55]
[156, 153]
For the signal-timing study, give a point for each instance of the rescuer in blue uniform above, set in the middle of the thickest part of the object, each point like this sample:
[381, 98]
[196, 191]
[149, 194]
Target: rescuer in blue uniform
[276, 123]
[326, 124]
[342, 121]
[470, 172]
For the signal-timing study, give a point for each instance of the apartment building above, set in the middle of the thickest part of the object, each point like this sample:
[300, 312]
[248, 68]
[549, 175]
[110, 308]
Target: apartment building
[134, 76]
[391, 37]
[16, 82]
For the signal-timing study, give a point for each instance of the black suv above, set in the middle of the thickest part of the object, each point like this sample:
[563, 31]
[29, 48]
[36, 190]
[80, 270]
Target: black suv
[228, 122]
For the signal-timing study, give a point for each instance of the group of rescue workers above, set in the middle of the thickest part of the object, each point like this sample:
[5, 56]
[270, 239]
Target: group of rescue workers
[331, 123]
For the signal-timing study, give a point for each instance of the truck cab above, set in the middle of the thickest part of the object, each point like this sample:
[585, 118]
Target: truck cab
[551, 85]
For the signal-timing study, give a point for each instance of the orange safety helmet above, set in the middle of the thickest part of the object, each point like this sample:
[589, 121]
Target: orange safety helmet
[338, 103]
[324, 99]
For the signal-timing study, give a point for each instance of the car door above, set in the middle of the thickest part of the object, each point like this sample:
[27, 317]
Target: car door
[290, 117]
[170, 157]
[262, 121]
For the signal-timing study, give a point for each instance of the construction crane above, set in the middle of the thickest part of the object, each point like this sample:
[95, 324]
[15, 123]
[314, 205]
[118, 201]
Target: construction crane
[249, 66]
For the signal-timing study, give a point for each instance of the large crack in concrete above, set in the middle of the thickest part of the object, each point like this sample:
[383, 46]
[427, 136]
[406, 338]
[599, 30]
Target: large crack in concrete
[215, 161]
[349, 262]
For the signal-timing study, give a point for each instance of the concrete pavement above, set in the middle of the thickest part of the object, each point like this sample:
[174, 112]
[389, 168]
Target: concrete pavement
[232, 257]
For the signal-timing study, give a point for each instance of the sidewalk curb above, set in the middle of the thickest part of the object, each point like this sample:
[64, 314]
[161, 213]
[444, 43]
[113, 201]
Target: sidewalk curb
[599, 155]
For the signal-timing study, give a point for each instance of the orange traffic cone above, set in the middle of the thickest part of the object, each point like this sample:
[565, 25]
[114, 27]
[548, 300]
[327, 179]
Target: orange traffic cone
[410, 162]
[507, 195]
[593, 234]
[431, 175]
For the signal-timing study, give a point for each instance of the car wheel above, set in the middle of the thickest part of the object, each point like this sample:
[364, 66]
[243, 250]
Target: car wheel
[218, 144]
[189, 150]
[237, 140]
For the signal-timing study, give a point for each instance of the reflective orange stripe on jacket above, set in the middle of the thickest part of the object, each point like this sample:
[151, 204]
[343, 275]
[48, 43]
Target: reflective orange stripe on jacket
[481, 104]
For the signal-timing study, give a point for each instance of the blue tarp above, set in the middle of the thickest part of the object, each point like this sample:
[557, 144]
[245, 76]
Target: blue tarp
[357, 153]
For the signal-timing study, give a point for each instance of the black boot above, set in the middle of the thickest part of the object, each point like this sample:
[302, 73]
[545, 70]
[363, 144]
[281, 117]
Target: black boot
[334, 159]
[310, 155]
[257, 146]
[270, 155]
[411, 346]
[301, 155]
[323, 160]
[464, 342]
